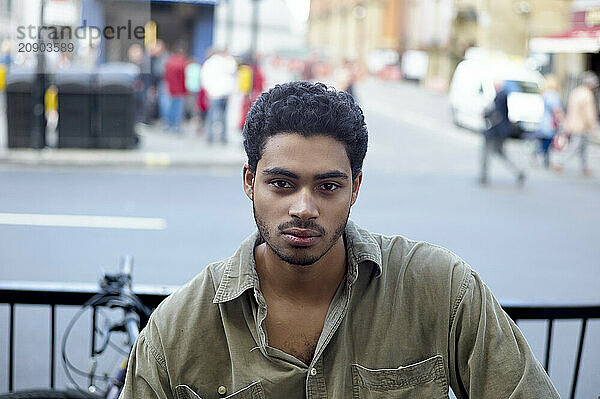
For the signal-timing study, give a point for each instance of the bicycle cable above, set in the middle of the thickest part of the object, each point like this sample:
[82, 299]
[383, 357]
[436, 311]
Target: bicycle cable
[96, 300]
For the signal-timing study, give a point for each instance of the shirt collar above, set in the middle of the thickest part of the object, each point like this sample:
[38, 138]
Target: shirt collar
[240, 269]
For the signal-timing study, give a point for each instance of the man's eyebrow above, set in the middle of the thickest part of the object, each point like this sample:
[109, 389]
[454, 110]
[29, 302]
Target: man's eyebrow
[333, 174]
[279, 171]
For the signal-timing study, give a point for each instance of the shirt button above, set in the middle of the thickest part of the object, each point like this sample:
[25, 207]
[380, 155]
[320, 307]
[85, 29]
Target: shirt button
[222, 390]
[313, 371]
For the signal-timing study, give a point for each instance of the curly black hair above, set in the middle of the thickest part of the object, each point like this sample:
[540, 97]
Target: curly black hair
[309, 109]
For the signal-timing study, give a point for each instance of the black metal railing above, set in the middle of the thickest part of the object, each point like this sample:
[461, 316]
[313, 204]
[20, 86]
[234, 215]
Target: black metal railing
[57, 294]
[54, 294]
[552, 312]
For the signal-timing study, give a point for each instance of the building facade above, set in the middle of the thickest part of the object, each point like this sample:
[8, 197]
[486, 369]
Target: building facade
[502, 26]
[442, 28]
[281, 26]
[186, 22]
[575, 48]
[352, 29]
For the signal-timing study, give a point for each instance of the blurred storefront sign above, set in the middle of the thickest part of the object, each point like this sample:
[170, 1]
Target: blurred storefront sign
[571, 41]
[574, 48]
[582, 37]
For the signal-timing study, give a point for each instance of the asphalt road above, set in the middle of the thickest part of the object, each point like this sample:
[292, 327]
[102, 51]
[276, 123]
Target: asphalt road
[538, 243]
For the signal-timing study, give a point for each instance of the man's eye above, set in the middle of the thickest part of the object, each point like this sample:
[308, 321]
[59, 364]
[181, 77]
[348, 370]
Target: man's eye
[329, 186]
[281, 184]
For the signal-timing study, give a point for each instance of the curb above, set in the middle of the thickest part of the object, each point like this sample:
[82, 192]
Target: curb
[95, 158]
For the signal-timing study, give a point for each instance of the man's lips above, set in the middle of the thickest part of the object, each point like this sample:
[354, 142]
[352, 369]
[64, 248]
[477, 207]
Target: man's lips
[301, 237]
[302, 232]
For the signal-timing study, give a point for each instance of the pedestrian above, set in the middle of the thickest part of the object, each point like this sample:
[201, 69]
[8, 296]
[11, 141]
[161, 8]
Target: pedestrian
[143, 81]
[251, 84]
[498, 129]
[193, 85]
[310, 66]
[551, 119]
[581, 121]
[218, 77]
[312, 305]
[175, 78]
[346, 77]
[158, 60]
[202, 105]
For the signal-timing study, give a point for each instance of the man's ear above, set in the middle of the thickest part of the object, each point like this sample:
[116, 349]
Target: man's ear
[248, 181]
[356, 186]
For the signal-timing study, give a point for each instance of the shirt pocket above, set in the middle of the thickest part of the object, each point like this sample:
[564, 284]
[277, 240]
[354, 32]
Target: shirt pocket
[425, 379]
[252, 391]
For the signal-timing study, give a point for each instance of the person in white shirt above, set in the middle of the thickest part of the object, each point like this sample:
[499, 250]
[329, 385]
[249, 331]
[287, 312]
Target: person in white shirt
[218, 78]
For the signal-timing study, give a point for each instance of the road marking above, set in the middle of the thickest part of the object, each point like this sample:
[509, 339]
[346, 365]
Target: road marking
[104, 222]
[158, 159]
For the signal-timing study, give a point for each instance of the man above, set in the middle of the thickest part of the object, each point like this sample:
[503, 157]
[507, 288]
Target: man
[551, 119]
[158, 61]
[581, 121]
[137, 56]
[175, 77]
[313, 306]
[218, 78]
[498, 130]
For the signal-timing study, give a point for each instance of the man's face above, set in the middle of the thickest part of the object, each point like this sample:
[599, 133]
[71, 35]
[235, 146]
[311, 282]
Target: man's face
[302, 192]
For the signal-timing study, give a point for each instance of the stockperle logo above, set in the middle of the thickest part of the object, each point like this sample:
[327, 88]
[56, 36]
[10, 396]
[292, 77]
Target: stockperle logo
[82, 32]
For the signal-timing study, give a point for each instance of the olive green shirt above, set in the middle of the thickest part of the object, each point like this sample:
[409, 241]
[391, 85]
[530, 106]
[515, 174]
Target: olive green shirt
[410, 320]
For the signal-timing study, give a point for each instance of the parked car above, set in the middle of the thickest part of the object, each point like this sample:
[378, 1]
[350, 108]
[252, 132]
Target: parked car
[472, 92]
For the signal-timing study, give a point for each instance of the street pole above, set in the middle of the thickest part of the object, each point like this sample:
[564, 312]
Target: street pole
[38, 126]
[254, 33]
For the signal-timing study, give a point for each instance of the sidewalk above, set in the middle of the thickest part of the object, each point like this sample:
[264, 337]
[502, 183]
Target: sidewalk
[157, 148]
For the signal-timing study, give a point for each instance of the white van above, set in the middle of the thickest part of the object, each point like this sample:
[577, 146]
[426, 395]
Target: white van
[472, 92]
[414, 65]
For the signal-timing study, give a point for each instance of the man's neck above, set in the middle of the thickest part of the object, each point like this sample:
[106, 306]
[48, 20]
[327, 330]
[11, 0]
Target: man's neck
[304, 285]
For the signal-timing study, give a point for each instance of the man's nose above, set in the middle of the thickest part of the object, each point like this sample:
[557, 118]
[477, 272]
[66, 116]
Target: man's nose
[304, 206]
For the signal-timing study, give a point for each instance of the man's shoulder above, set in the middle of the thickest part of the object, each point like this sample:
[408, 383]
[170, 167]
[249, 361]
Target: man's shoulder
[421, 262]
[192, 300]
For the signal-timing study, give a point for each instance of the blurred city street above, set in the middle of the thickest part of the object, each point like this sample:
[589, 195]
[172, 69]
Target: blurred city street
[533, 244]
[114, 147]
[420, 181]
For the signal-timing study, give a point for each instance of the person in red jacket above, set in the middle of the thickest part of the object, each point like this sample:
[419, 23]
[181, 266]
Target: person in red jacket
[175, 78]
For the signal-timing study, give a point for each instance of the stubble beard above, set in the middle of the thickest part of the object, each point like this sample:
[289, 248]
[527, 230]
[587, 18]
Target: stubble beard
[297, 259]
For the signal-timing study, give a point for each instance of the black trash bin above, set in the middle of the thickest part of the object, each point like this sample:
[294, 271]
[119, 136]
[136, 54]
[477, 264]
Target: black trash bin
[116, 105]
[19, 108]
[76, 114]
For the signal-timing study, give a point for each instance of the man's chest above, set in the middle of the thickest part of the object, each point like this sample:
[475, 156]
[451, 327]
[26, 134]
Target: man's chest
[295, 331]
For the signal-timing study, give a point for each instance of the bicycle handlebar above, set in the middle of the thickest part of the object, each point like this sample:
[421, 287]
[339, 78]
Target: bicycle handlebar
[115, 292]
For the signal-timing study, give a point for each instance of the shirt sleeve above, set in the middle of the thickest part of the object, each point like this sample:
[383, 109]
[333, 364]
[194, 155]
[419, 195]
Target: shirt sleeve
[489, 356]
[147, 375]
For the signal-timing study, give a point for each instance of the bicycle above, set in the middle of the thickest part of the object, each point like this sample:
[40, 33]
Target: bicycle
[114, 293]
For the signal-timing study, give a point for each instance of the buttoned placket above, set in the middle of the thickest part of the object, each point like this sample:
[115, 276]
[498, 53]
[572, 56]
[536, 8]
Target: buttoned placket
[261, 315]
[315, 378]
